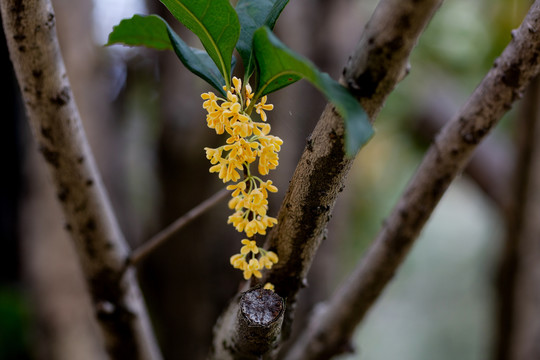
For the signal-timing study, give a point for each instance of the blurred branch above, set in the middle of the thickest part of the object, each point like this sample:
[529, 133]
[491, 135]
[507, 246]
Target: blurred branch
[523, 196]
[490, 166]
[526, 323]
[54, 119]
[257, 323]
[378, 63]
[330, 331]
[160, 238]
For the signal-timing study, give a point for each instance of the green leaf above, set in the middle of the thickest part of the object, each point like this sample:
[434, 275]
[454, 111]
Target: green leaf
[252, 15]
[154, 32]
[215, 23]
[140, 30]
[279, 67]
[197, 61]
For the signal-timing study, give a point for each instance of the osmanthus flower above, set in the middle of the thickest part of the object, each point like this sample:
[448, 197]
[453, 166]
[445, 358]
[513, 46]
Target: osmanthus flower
[249, 246]
[269, 286]
[248, 142]
[262, 106]
[252, 269]
[253, 266]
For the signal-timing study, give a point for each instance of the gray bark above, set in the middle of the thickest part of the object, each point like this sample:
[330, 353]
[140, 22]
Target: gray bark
[55, 122]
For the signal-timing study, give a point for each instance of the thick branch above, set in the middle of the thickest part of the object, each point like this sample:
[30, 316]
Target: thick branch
[256, 323]
[518, 64]
[54, 119]
[379, 62]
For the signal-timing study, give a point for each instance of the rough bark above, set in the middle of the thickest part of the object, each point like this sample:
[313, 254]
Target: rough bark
[257, 325]
[55, 122]
[512, 71]
[381, 54]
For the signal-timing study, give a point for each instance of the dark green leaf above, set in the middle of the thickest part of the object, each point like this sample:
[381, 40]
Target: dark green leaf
[252, 15]
[215, 23]
[140, 30]
[197, 61]
[154, 32]
[279, 67]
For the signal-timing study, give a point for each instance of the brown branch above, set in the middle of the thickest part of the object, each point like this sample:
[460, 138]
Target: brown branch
[512, 71]
[160, 238]
[257, 323]
[54, 119]
[378, 63]
[524, 344]
[490, 166]
[522, 194]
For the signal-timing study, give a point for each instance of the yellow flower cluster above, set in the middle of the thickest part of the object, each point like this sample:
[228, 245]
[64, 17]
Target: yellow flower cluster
[248, 141]
[266, 260]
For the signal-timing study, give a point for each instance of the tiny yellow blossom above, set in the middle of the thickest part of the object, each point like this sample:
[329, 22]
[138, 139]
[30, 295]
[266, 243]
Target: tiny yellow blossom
[272, 256]
[268, 221]
[252, 269]
[268, 259]
[269, 286]
[248, 94]
[238, 261]
[214, 155]
[238, 188]
[267, 186]
[261, 106]
[211, 100]
[237, 85]
[249, 245]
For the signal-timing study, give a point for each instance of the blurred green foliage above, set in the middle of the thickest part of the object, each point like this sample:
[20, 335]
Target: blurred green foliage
[14, 324]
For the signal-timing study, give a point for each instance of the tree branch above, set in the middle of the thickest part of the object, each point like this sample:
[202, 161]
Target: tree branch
[54, 119]
[517, 227]
[503, 84]
[525, 323]
[490, 167]
[257, 325]
[378, 63]
[160, 238]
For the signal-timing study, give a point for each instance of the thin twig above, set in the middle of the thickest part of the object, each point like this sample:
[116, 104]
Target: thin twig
[161, 237]
[330, 331]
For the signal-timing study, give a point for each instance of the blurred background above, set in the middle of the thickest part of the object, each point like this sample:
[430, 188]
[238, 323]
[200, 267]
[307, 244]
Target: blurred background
[143, 116]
